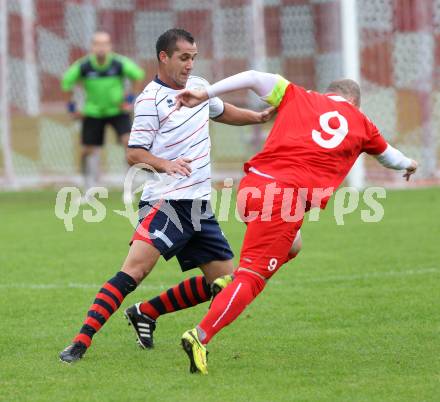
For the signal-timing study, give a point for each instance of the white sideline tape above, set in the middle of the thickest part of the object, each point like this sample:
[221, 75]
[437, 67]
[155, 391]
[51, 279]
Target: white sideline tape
[298, 281]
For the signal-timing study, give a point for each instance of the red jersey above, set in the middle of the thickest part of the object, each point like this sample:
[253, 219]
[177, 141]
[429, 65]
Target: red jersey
[315, 139]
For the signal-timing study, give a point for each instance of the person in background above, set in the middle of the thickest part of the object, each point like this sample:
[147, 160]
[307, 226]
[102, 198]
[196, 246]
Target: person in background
[102, 74]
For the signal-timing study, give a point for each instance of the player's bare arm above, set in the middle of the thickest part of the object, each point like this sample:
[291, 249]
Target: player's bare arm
[179, 166]
[236, 116]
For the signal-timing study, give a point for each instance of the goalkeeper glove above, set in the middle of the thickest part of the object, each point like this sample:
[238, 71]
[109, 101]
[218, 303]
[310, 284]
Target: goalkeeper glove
[71, 107]
[129, 98]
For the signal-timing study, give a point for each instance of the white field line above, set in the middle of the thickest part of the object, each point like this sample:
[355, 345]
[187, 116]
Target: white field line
[298, 280]
[367, 275]
[57, 286]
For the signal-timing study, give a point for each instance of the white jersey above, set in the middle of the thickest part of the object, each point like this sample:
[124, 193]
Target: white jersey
[171, 134]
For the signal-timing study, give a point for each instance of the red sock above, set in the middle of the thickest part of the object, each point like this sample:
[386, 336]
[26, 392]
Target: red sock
[230, 303]
[187, 293]
[107, 301]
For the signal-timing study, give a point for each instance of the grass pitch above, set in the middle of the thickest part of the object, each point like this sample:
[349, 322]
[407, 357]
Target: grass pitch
[354, 318]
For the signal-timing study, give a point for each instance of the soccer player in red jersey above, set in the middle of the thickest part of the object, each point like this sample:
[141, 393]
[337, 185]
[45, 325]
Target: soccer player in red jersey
[315, 140]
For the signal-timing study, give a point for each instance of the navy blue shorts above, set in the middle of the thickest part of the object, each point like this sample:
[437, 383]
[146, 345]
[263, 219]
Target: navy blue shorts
[186, 229]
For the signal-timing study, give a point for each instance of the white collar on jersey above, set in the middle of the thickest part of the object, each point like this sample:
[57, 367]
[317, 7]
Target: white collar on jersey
[160, 82]
[337, 98]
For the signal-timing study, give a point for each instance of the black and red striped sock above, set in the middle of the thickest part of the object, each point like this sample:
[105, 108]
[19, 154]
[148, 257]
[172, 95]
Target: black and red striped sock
[187, 293]
[107, 301]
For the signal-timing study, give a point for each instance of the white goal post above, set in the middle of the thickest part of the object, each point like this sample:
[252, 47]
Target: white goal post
[351, 69]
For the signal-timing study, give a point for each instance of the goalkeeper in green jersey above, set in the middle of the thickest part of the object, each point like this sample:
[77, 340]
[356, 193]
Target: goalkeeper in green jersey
[102, 74]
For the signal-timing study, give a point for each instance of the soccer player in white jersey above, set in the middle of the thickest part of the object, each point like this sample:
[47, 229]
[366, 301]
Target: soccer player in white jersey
[175, 214]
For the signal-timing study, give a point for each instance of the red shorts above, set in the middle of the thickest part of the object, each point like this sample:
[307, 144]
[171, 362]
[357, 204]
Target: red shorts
[273, 218]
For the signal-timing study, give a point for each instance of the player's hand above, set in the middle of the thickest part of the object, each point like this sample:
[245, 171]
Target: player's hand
[411, 170]
[76, 116]
[267, 114]
[191, 98]
[179, 166]
[72, 110]
[127, 107]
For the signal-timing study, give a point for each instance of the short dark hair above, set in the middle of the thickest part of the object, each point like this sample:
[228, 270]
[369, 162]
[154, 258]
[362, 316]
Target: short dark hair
[346, 88]
[167, 41]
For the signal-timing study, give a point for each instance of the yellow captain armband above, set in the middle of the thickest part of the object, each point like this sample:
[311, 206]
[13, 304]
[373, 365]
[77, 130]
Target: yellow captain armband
[278, 91]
